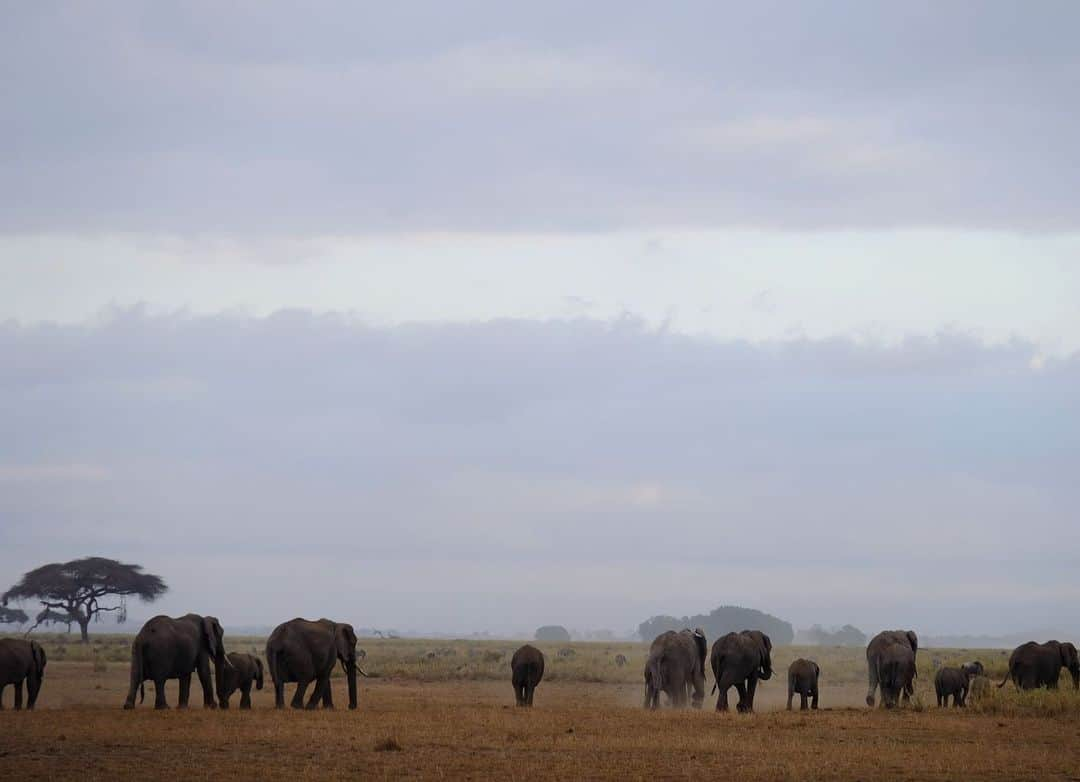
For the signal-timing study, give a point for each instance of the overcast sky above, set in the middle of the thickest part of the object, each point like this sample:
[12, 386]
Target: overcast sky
[479, 317]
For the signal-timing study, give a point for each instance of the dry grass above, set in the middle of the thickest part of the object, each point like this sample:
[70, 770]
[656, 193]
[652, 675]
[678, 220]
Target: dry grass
[424, 717]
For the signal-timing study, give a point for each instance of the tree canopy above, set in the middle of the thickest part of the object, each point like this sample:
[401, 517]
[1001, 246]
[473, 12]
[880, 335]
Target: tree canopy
[552, 633]
[720, 621]
[69, 592]
[13, 616]
[848, 635]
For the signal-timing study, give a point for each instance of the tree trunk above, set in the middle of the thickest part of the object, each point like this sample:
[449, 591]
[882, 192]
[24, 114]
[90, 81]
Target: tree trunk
[84, 624]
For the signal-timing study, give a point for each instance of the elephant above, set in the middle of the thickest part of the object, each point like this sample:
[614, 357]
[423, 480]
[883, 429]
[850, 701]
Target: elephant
[246, 669]
[620, 660]
[803, 679]
[954, 682]
[874, 651]
[676, 666]
[1033, 665]
[21, 661]
[979, 688]
[896, 673]
[739, 660]
[527, 669]
[973, 668]
[174, 648]
[305, 651]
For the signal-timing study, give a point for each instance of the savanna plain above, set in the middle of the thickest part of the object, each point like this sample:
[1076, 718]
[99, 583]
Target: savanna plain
[444, 709]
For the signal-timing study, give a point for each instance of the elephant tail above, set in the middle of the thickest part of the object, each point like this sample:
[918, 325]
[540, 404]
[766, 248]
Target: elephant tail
[1003, 681]
[656, 674]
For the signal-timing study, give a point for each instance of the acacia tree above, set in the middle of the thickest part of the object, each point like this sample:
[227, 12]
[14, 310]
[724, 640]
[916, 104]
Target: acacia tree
[12, 616]
[69, 592]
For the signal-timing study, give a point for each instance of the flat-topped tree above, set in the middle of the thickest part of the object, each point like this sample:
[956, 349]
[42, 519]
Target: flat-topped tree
[69, 592]
[12, 616]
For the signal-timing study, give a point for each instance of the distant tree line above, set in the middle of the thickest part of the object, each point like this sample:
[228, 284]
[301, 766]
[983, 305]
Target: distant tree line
[720, 621]
[848, 635]
[552, 633]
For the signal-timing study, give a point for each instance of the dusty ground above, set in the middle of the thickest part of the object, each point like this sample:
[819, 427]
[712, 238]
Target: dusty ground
[468, 729]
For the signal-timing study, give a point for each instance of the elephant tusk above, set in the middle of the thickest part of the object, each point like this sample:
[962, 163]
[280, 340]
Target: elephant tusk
[361, 671]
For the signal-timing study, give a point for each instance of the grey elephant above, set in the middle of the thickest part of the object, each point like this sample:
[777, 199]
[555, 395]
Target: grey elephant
[305, 651]
[973, 668]
[979, 688]
[896, 673]
[676, 666]
[803, 678]
[1033, 665]
[951, 682]
[874, 650]
[21, 662]
[620, 660]
[174, 648]
[740, 660]
[526, 671]
[247, 669]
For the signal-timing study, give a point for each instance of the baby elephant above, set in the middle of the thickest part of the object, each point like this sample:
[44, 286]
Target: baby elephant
[527, 667]
[246, 668]
[802, 678]
[951, 681]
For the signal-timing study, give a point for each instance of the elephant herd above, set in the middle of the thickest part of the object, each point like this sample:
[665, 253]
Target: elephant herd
[305, 652]
[299, 651]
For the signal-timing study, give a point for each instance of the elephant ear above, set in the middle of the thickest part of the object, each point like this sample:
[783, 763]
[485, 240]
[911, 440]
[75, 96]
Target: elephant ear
[913, 640]
[345, 639]
[1068, 654]
[39, 657]
[212, 634]
[702, 647]
[817, 668]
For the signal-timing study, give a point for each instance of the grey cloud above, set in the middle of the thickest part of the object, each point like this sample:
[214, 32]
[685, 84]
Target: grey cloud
[433, 465]
[337, 118]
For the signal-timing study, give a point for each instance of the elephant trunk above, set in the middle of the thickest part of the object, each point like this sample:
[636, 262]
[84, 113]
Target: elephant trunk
[221, 662]
[1075, 677]
[350, 673]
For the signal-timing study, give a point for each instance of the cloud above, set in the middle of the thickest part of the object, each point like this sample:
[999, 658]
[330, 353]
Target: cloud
[494, 474]
[357, 119]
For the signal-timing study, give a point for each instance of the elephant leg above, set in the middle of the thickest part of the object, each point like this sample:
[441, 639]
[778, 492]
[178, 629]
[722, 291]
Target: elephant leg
[751, 688]
[529, 690]
[316, 695]
[872, 684]
[18, 696]
[803, 706]
[741, 706]
[279, 694]
[33, 687]
[185, 691]
[940, 698]
[721, 699]
[207, 683]
[813, 699]
[245, 696]
[2, 688]
[790, 692]
[328, 693]
[159, 694]
[298, 696]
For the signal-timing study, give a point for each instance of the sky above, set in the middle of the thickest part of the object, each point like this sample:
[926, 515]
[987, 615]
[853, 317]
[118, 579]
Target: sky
[487, 317]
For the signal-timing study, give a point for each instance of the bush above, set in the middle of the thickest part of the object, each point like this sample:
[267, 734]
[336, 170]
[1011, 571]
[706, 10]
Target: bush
[552, 633]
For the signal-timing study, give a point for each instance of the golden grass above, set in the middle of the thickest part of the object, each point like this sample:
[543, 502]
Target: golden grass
[425, 717]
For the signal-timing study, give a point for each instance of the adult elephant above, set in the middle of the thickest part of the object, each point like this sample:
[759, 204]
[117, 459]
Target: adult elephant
[21, 662]
[305, 651]
[740, 660]
[896, 673]
[1033, 665]
[174, 648]
[676, 666]
[526, 671]
[874, 650]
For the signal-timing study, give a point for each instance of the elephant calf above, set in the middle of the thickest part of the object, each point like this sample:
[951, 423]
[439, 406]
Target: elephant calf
[803, 679]
[246, 669]
[527, 669]
[21, 661]
[951, 682]
[979, 688]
